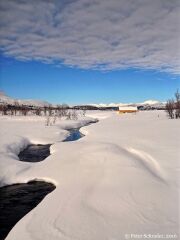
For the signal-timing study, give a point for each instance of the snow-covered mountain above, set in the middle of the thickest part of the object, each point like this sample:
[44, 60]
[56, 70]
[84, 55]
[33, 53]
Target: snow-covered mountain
[5, 99]
[30, 102]
[150, 103]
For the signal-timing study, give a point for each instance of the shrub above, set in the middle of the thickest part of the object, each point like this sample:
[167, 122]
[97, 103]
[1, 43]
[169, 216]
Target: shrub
[173, 106]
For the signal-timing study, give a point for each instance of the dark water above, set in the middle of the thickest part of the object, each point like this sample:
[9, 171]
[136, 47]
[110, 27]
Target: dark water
[17, 200]
[38, 152]
[35, 153]
[75, 134]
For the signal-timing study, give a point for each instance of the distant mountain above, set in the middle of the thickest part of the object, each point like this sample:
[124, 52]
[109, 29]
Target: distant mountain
[148, 104]
[143, 105]
[151, 104]
[4, 99]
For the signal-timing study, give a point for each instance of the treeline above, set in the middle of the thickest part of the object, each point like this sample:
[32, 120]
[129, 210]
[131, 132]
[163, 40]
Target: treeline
[173, 106]
[46, 110]
[24, 110]
[51, 113]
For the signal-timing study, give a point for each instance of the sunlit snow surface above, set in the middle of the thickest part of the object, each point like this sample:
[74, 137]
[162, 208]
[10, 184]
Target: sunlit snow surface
[120, 178]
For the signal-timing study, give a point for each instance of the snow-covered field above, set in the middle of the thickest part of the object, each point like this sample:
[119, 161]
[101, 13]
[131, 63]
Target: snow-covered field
[121, 178]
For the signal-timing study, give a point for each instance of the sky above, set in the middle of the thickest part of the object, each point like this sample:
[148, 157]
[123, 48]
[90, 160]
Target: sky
[82, 51]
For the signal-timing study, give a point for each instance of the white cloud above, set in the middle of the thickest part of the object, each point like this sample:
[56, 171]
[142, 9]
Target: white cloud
[99, 34]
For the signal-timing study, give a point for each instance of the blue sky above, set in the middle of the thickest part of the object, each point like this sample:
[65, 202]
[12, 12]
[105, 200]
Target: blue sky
[76, 52]
[71, 85]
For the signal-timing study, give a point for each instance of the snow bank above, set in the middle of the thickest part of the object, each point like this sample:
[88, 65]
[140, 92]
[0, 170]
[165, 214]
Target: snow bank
[18, 132]
[121, 178]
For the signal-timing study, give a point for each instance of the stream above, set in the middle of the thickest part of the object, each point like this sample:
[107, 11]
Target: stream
[17, 200]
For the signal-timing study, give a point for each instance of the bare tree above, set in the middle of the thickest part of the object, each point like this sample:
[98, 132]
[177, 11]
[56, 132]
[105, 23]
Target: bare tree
[170, 108]
[12, 109]
[4, 109]
[173, 106]
[50, 110]
[64, 110]
[177, 104]
[38, 111]
[24, 110]
[16, 107]
[45, 110]
[54, 119]
[84, 113]
[1, 109]
[74, 115]
[48, 121]
[68, 115]
[59, 112]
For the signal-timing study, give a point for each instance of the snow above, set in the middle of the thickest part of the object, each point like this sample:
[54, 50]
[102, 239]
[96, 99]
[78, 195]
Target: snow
[31, 102]
[150, 102]
[121, 178]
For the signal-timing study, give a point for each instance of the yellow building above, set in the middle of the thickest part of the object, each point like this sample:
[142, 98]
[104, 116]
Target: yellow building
[127, 109]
